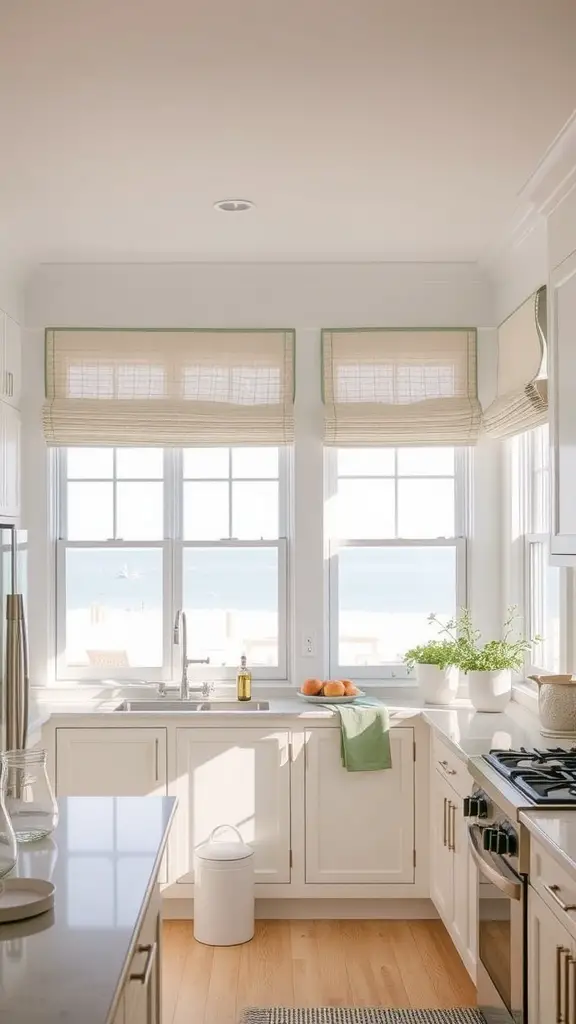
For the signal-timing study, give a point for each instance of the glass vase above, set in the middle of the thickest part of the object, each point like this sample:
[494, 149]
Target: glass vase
[8, 848]
[27, 794]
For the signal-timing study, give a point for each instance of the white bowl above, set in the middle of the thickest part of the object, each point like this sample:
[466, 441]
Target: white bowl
[330, 700]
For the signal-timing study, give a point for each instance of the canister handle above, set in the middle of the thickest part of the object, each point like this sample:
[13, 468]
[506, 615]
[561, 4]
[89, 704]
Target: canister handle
[221, 828]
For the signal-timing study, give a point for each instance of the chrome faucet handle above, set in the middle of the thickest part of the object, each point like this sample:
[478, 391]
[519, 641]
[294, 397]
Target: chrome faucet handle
[207, 689]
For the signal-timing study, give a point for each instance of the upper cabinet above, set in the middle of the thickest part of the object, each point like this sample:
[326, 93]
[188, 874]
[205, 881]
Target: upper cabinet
[10, 390]
[562, 350]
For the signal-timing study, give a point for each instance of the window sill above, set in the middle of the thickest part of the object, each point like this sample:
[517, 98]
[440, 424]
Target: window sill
[526, 694]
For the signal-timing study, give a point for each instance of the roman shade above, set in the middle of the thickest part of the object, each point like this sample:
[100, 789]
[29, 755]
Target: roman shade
[400, 387]
[521, 401]
[169, 388]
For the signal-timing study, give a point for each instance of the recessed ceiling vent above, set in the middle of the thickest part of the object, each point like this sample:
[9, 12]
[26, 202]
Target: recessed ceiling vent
[233, 205]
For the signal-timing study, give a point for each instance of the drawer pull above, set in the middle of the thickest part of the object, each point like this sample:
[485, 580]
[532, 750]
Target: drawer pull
[560, 952]
[144, 976]
[554, 892]
[447, 768]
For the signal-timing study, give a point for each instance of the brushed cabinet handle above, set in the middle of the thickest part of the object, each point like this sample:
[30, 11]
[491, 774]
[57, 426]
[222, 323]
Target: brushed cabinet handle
[157, 759]
[447, 768]
[452, 832]
[572, 971]
[144, 976]
[554, 892]
[562, 989]
[445, 830]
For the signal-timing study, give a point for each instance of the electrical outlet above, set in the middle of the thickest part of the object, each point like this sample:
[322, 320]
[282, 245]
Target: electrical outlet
[308, 645]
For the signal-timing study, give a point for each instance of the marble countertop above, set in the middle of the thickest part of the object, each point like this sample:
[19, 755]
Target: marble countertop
[556, 830]
[66, 965]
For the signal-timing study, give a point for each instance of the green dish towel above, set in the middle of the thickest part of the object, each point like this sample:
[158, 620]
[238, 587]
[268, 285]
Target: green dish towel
[364, 735]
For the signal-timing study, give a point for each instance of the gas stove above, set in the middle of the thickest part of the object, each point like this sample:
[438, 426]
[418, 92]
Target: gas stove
[544, 777]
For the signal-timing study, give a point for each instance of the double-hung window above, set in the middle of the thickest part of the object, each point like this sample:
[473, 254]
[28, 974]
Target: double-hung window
[544, 588]
[397, 527]
[143, 532]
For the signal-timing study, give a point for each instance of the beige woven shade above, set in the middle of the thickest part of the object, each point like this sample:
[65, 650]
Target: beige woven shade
[169, 388]
[521, 401]
[400, 387]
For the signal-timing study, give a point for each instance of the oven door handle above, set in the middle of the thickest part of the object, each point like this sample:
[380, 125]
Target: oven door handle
[495, 871]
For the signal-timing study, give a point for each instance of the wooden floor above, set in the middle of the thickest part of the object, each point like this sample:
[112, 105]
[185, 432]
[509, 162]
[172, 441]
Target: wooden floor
[312, 963]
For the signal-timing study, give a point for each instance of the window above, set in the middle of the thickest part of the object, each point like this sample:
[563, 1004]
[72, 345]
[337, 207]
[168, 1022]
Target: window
[544, 586]
[397, 552]
[143, 532]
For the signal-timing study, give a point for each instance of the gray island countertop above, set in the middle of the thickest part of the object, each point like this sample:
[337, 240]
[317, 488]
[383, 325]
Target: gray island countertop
[67, 965]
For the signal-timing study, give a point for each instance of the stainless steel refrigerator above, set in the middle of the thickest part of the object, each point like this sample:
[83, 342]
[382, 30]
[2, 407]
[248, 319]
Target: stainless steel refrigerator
[14, 678]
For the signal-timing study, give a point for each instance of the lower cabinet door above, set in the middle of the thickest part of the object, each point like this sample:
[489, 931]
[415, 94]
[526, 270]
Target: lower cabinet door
[549, 950]
[464, 910]
[237, 777]
[441, 859]
[110, 762]
[359, 825]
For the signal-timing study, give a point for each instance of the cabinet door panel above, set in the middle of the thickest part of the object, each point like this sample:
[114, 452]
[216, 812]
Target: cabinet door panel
[441, 861]
[13, 376]
[235, 777]
[563, 408]
[359, 825]
[546, 937]
[464, 912]
[110, 762]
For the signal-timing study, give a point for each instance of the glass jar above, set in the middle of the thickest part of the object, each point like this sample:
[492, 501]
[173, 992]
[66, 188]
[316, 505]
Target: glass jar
[27, 794]
[8, 848]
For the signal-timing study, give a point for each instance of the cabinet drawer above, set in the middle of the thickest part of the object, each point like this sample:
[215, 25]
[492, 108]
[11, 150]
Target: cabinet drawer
[554, 885]
[142, 988]
[449, 765]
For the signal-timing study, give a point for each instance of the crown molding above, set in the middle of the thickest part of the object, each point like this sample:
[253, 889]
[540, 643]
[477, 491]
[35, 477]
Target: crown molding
[555, 175]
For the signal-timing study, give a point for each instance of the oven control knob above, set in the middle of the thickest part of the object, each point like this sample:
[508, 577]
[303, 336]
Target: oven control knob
[488, 836]
[511, 845]
[475, 807]
[482, 807]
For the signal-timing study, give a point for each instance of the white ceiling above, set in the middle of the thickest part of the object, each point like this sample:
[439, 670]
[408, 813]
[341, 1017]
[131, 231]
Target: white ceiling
[368, 129]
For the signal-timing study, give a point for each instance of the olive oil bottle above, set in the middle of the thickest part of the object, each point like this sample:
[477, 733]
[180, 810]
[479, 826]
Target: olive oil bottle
[243, 681]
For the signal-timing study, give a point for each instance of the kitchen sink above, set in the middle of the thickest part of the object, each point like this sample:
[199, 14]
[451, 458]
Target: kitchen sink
[163, 704]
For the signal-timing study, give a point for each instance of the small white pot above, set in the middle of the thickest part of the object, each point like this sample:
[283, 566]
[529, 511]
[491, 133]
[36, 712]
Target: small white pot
[437, 685]
[490, 691]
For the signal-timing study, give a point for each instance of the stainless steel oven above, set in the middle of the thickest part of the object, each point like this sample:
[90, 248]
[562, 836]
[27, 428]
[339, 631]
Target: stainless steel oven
[501, 903]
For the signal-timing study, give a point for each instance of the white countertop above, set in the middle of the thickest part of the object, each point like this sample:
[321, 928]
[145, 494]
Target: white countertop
[556, 830]
[67, 964]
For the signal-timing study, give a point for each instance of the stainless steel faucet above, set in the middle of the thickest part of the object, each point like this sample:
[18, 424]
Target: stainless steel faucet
[184, 682]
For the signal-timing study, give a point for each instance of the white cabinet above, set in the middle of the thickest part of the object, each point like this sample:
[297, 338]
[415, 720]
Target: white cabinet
[235, 777]
[453, 877]
[562, 351]
[110, 762]
[550, 963]
[441, 857]
[141, 999]
[359, 825]
[13, 363]
[9, 462]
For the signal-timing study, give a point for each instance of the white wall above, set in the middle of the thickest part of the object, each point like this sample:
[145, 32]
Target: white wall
[520, 269]
[304, 296]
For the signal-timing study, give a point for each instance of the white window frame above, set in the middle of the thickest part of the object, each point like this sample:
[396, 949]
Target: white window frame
[172, 547]
[397, 671]
[529, 573]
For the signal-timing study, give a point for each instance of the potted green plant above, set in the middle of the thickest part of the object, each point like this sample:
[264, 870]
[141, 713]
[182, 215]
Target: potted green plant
[489, 665]
[436, 670]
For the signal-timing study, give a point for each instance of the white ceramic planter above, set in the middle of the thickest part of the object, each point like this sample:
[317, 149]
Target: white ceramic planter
[437, 685]
[490, 691]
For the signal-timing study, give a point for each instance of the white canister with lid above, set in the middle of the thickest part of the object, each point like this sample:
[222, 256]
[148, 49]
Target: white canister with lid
[224, 890]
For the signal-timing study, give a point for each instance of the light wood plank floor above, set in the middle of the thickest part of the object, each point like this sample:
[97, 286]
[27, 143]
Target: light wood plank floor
[312, 963]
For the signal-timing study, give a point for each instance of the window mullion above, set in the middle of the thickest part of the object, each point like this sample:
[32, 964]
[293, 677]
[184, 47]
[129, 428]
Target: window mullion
[114, 498]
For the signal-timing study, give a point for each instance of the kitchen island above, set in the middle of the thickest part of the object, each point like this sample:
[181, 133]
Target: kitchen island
[95, 957]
